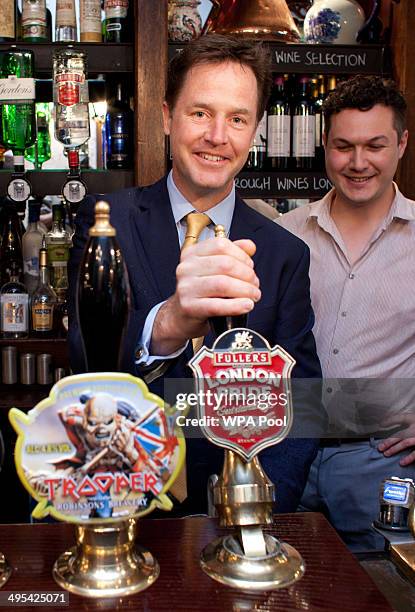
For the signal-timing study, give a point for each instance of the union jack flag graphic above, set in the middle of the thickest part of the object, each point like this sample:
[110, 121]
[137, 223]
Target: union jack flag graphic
[155, 435]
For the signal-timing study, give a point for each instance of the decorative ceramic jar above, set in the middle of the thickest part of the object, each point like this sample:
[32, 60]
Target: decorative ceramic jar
[184, 20]
[333, 21]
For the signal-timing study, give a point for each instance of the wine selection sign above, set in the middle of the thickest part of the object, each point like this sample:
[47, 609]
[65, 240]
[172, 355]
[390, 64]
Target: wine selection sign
[100, 448]
[244, 392]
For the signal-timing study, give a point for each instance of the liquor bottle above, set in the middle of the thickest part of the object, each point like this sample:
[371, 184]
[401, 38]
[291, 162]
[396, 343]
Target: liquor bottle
[65, 24]
[279, 127]
[318, 109]
[14, 306]
[116, 26]
[103, 295]
[34, 21]
[70, 96]
[258, 152]
[8, 20]
[40, 152]
[304, 128]
[332, 84]
[11, 246]
[119, 130]
[2, 152]
[57, 243]
[31, 244]
[17, 103]
[43, 300]
[90, 20]
[61, 315]
[219, 325]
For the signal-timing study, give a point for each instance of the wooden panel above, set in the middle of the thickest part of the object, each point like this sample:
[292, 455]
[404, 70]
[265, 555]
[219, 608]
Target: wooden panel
[403, 54]
[150, 80]
[333, 579]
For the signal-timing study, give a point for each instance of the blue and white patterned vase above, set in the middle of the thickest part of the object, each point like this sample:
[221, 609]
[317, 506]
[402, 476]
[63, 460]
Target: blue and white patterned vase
[184, 20]
[333, 21]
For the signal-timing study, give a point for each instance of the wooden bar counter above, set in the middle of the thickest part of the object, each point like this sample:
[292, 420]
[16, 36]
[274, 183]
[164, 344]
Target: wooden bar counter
[334, 581]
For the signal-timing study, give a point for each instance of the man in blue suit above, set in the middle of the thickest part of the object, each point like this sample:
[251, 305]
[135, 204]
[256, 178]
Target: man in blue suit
[217, 92]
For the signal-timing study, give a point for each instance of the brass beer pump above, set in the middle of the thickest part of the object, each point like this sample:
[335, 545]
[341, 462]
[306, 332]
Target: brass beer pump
[243, 496]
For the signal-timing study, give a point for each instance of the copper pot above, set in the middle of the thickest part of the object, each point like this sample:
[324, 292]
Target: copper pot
[253, 18]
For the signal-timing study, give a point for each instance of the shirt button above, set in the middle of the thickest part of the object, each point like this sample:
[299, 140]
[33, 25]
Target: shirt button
[329, 390]
[351, 276]
[335, 351]
[344, 313]
[139, 353]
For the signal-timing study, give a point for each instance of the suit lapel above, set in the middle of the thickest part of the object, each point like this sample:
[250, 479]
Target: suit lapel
[154, 223]
[245, 222]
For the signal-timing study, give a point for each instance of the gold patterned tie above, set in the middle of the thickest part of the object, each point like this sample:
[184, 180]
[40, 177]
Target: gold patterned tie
[196, 222]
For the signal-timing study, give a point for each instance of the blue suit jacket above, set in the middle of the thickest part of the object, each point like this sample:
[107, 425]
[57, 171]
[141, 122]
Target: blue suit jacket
[147, 236]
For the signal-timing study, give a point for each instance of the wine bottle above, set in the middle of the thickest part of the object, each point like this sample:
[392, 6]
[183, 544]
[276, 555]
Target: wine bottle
[90, 20]
[318, 109]
[31, 244]
[34, 21]
[119, 130]
[103, 295]
[116, 27]
[11, 246]
[221, 324]
[43, 300]
[17, 103]
[40, 152]
[14, 306]
[304, 128]
[332, 84]
[258, 152]
[279, 127]
[8, 20]
[65, 25]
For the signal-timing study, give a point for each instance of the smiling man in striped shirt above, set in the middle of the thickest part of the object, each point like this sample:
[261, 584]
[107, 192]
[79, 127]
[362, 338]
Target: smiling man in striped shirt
[362, 241]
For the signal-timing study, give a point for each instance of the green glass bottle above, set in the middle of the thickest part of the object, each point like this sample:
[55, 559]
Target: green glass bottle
[17, 103]
[39, 153]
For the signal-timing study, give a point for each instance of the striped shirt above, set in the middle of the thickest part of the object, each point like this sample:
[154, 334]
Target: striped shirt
[365, 311]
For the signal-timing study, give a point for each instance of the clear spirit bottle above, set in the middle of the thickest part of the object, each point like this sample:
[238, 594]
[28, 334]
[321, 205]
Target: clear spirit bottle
[71, 97]
[31, 244]
[14, 307]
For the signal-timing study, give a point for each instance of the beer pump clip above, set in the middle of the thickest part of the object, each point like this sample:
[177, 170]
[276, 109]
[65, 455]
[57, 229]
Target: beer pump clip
[100, 452]
[246, 407]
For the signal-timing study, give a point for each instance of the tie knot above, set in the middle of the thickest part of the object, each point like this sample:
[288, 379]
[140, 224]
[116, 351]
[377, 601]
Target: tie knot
[196, 222]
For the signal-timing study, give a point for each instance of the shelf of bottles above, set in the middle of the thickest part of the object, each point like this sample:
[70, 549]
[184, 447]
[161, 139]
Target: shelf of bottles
[104, 44]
